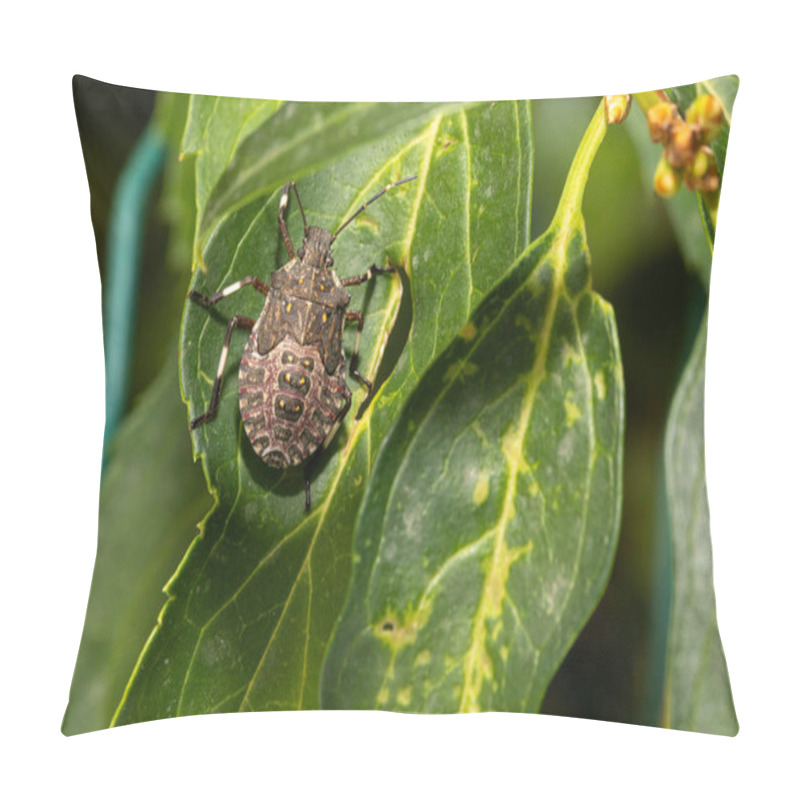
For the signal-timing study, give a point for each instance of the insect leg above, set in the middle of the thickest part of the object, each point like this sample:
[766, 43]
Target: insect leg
[210, 300]
[368, 275]
[236, 322]
[307, 475]
[357, 316]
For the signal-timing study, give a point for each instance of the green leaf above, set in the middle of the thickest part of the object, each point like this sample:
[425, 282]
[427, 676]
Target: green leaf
[177, 200]
[490, 524]
[253, 605]
[299, 139]
[151, 497]
[698, 696]
[215, 128]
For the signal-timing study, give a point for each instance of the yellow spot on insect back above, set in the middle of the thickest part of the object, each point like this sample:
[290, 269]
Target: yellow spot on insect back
[383, 696]
[404, 696]
[423, 658]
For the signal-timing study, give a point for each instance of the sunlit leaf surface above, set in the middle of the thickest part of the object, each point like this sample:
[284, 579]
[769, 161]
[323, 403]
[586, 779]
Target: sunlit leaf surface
[490, 524]
[254, 603]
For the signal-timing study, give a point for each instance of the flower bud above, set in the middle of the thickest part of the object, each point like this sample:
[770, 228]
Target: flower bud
[702, 175]
[617, 108]
[666, 180]
[660, 118]
[706, 113]
[682, 144]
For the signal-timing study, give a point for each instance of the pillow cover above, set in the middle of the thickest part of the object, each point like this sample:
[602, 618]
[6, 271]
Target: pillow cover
[418, 498]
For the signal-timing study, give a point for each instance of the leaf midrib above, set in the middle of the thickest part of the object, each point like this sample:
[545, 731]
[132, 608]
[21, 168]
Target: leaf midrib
[473, 674]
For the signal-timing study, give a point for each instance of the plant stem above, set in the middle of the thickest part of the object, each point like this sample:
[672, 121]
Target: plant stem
[568, 214]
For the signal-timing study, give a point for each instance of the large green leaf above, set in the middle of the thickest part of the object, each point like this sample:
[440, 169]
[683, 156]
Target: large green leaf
[698, 696]
[151, 498]
[300, 138]
[253, 605]
[490, 524]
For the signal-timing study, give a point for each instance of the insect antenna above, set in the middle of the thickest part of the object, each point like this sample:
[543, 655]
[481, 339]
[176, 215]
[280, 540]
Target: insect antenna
[371, 200]
[300, 206]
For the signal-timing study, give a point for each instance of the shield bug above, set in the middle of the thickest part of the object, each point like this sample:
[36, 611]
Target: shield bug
[293, 392]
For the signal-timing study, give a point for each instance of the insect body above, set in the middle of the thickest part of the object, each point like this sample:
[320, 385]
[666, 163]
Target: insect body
[293, 393]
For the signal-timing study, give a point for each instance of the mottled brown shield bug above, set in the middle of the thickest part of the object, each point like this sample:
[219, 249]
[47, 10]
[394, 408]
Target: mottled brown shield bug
[293, 393]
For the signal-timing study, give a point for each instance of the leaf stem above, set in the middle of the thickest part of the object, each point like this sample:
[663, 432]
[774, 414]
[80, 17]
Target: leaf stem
[568, 213]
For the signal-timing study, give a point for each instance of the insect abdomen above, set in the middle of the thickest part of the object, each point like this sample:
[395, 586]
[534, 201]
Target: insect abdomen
[289, 404]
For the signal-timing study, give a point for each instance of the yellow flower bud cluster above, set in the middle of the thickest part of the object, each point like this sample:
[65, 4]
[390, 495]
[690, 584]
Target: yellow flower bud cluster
[687, 155]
